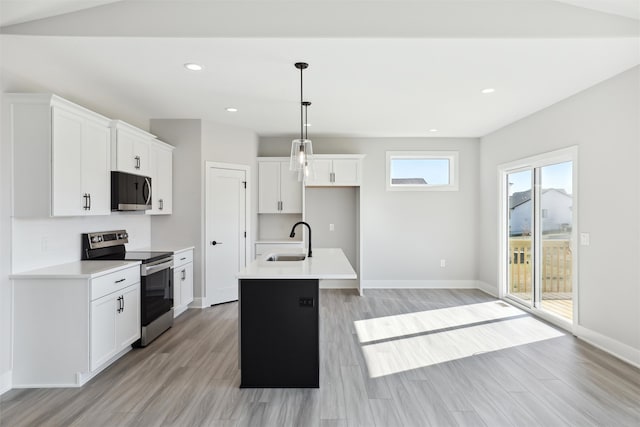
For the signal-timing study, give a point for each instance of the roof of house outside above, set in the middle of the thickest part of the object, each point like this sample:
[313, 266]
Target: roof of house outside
[409, 181]
[521, 197]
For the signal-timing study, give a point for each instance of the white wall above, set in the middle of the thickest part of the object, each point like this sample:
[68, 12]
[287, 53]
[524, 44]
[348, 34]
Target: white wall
[196, 143]
[406, 234]
[5, 254]
[49, 241]
[604, 122]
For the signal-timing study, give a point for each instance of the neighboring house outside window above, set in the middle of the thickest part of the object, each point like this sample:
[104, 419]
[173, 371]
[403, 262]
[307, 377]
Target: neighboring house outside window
[556, 217]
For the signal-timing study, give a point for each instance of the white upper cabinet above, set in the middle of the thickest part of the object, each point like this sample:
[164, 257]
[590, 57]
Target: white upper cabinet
[95, 160]
[278, 188]
[130, 149]
[61, 157]
[161, 165]
[335, 170]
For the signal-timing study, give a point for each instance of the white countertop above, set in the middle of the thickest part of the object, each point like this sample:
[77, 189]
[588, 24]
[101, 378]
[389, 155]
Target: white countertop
[280, 242]
[165, 248]
[76, 270]
[324, 264]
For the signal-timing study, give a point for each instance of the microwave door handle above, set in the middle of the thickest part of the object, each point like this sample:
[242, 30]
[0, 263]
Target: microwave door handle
[148, 184]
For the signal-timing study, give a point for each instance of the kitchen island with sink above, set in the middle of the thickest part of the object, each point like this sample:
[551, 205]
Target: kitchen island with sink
[279, 317]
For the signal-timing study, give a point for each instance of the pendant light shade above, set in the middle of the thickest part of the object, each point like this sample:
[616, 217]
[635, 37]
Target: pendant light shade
[301, 149]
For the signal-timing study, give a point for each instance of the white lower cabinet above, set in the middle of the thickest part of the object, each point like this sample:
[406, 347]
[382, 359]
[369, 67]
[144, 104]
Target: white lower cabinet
[115, 324]
[182, 281]
[69, 324]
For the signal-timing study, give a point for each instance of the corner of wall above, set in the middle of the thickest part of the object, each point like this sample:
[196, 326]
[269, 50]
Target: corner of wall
[5, 382]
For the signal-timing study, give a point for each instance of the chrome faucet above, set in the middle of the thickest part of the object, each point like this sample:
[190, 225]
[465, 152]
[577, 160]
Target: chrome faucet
[293, 234]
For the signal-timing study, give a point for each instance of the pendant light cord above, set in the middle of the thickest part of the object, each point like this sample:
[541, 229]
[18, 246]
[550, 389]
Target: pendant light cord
[301, 98]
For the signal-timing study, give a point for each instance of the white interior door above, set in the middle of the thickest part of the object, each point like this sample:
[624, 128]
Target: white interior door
[225, 232]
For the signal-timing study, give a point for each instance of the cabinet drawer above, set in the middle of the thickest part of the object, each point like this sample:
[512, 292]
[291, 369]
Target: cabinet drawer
[104, 285]
[182, 258]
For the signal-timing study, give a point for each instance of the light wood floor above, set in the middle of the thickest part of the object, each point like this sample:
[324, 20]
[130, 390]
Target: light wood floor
[412, 358]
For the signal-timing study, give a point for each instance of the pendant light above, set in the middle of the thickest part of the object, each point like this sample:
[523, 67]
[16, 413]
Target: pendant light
[301, 149]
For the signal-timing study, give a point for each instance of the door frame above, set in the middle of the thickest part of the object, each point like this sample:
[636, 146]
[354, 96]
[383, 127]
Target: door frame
[557, 156]
[247, 217]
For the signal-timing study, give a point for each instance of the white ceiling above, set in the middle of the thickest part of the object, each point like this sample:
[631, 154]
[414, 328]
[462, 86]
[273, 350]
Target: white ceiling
[372, 85]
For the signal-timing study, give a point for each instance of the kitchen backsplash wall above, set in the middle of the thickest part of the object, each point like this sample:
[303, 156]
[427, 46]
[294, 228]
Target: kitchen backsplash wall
[48, 241]
[278, 226]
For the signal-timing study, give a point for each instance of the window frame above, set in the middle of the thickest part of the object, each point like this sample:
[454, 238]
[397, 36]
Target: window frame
[451, 156]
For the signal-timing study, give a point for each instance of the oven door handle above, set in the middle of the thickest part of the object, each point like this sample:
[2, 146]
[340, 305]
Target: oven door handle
[149, 270]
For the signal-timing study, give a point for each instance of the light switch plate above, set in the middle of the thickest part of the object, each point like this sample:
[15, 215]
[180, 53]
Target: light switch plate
[584, 239]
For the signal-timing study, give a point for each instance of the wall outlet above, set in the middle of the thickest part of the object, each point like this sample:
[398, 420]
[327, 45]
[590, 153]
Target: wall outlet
[443, 263]
[332, 227]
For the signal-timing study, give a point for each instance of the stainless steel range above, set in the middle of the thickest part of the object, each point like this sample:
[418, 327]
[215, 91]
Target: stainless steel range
[156, 282]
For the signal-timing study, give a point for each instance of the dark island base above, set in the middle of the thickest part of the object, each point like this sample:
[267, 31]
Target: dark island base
[279, 333]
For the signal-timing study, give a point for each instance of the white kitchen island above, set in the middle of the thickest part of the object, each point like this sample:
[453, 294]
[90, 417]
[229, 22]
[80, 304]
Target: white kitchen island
[279, 318]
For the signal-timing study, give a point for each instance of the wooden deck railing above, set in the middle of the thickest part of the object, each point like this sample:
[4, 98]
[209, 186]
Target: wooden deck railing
[556, 266]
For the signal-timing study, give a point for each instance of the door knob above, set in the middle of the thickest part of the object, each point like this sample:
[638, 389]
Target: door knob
[216, 243]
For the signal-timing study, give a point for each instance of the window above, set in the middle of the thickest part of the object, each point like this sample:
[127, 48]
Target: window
[422, 171]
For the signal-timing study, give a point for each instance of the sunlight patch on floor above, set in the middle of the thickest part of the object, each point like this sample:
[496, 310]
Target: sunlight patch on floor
[404, 354]
[381, 328]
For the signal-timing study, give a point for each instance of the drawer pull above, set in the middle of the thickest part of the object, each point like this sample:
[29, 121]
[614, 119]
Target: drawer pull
[121, 280]
[182, 259]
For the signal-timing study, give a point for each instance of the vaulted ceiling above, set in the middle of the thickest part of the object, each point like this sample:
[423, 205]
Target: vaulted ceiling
[377, 68]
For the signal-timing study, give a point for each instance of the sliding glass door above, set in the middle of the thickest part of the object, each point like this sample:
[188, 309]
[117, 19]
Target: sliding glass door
[555, 231]
[520, 232]
[539, 203]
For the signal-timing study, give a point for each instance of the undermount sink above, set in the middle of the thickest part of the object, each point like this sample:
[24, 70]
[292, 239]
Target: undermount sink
[286, 257]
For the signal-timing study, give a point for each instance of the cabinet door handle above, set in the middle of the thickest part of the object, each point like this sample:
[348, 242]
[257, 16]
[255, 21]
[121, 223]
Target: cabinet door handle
[161, 202]
[182, 259]
[137, 158]
[333, 177]
[121, 280]
[122, 302]
[184, 274]
[89, 208]
[119, 310]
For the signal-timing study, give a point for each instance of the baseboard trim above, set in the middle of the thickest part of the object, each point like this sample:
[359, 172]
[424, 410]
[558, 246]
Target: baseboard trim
[198, 302]
[614, 347]
[419, 284]
[5, 382]
[338, 284]
[487, 288]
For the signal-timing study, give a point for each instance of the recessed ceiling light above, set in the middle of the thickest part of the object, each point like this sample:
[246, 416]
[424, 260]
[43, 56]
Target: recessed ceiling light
[488, 90]
[193, 67]
[433, 130]
[232, 110]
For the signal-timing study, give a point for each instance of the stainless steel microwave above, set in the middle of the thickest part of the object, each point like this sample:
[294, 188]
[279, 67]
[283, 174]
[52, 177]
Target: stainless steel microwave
[130, 192]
